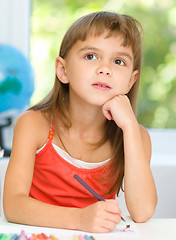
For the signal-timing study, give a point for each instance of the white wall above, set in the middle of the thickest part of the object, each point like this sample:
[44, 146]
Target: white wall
[15, 23]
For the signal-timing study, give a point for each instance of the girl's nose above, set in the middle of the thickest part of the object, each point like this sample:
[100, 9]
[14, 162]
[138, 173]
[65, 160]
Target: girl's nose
[104, 70]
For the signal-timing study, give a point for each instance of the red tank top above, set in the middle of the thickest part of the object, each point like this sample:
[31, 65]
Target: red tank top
[54, 183]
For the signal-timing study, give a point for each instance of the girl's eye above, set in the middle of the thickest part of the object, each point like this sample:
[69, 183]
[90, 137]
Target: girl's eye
[119, 62]
[90, 57]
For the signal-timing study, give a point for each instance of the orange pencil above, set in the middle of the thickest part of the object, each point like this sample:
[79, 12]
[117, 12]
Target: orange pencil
[41, 237]
[53, 237]
[34, 236]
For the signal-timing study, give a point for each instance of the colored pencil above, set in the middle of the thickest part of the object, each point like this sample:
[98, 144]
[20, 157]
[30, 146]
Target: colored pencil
[53, 237]
[81, 237]
[15, 237]
[87, 237]
[4, 236]
[91, 190]
[34, 236]
[44, 236]
[10, 236]
[75, 237]
[92, 238]
[1, 236]
[41, 237]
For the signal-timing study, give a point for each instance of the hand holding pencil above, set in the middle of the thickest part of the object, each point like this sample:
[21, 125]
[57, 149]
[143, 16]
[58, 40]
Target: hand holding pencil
[101, 216]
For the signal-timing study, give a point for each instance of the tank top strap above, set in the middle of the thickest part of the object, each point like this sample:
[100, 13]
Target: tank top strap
[51, 132]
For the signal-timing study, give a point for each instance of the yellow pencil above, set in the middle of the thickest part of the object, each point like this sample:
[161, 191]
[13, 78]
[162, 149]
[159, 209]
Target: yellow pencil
[75, 237]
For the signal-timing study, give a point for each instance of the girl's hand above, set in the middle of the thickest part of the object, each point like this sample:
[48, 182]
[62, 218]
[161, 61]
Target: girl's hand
[119, 109]
[100, 217]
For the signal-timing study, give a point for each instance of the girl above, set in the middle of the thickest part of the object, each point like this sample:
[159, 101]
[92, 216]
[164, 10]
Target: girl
[93, 132]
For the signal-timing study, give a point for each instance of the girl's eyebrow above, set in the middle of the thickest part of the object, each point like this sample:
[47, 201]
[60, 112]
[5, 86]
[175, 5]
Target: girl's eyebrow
[87, 48]
[123, 54]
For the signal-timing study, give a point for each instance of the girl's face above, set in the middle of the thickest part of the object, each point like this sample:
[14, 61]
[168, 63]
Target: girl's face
[97, 69]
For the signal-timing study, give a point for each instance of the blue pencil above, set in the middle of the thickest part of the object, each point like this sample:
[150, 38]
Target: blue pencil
[15, 236]
[87, 237]
[95, 194]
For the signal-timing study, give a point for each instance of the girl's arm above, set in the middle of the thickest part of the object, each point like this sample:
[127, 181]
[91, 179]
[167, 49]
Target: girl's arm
[140, 191]
[139, 186]
[30, 133]
[18, 206]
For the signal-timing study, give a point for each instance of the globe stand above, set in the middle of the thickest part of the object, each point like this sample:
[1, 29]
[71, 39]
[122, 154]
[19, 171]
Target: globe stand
[8, 123]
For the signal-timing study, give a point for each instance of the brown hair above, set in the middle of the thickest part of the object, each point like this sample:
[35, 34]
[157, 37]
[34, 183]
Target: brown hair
[57, 100]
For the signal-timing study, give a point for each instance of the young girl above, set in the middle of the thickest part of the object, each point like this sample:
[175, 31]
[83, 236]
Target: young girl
[85, 126]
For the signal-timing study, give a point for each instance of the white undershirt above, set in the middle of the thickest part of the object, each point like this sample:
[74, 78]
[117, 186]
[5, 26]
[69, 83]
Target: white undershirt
[74, 161]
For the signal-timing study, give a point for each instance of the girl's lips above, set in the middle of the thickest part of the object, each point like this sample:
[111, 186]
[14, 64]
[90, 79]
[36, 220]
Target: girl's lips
[101, 86]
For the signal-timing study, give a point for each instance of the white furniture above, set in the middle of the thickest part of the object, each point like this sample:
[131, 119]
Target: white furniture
[3, 167]
[154, 229]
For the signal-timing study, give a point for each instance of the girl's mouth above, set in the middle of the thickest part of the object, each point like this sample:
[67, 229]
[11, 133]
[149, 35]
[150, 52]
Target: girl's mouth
[101, 86]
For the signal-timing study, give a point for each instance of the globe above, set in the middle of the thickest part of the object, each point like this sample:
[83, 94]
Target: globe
[16, 79]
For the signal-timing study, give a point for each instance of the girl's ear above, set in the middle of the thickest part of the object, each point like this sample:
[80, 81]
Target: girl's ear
[133, 79]
[60, 70]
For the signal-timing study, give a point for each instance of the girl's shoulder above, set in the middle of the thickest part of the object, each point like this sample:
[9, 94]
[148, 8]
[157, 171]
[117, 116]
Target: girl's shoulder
[144, 133]
[33, 124]
[33, 118]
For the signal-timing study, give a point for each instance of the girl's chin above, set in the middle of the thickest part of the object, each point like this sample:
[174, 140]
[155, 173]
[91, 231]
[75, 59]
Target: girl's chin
[101, 102]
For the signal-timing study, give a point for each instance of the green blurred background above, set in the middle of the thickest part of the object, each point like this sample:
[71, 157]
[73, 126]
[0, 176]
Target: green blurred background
[157, 96]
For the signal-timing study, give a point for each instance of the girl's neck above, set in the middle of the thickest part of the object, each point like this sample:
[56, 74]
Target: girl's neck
[87, 118]
[86, 131]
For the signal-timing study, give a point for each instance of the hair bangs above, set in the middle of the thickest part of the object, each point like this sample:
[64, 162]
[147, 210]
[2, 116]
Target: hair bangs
[99, 22]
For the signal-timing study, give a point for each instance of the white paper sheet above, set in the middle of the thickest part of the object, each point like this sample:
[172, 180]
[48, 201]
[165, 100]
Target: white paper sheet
[120, 230]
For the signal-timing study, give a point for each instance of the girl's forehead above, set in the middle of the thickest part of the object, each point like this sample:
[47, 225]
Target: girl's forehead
[103, 40]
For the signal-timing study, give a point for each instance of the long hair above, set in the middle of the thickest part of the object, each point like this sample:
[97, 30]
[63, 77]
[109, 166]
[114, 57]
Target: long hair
[58, 99]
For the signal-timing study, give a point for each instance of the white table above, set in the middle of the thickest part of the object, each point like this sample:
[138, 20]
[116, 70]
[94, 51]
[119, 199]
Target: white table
[154, 229]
